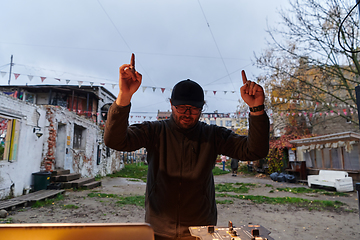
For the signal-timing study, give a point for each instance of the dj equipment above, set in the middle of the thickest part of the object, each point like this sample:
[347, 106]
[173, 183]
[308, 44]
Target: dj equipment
[245, 232]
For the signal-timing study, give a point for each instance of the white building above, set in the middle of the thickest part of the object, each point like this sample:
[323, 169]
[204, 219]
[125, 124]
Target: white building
[58, 136]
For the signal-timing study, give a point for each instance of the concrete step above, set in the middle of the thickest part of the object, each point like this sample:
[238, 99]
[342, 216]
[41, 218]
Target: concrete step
[91, 185]
[68, 177]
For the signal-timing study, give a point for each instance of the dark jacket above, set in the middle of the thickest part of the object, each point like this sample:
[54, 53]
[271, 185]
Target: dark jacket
[234, 163]
[180, 188]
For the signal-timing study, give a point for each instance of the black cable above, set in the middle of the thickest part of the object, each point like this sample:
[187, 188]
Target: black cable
[350, 51]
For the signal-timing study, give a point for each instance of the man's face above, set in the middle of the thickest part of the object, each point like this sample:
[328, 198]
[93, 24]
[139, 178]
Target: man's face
[185, 116]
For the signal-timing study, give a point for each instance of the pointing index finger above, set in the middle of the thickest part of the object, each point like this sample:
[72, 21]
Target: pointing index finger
[132, 62]
[243, 76]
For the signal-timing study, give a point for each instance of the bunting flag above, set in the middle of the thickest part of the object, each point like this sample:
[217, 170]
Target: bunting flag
[16, 75]
[43, 79]
[30, 77]
[67, 81]
[143, 89]
[91, 84]
[3, 74]
[113, 86]
[80, 83]
[162, 90]
[57, 79]
[103, 84]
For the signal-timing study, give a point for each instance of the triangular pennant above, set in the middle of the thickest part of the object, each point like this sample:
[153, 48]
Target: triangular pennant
[162, 90]
[143, 89]
[154, 88]
[91, 84]
[206, 92]
[16, 75]
[113, 86]
[3, 74]
[214, 92]
[57, 79]
[67, 81]
[42, 79]
[103, 84]
[30, 77]
[80, 83]
[225, 92]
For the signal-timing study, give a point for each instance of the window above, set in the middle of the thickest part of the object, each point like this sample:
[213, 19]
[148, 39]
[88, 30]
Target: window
[213, 122]
[228, 123]
[335, 155]
[79, 137]
[351, 159]
[318, 158]
[9, 138]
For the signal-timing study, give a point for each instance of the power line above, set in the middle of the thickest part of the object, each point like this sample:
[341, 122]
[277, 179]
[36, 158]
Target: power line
[217, 47]
[117, 30]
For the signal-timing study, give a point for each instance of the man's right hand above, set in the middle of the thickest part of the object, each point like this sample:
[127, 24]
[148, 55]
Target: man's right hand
[129, 82]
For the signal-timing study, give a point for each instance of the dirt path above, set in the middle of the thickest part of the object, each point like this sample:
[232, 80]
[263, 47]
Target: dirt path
[284, 221]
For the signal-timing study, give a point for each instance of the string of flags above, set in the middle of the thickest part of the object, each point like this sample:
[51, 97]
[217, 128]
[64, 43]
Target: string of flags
[113, 85]
[310, 103]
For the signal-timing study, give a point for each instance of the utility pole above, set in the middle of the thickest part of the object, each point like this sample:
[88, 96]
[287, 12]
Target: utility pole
[11, 64]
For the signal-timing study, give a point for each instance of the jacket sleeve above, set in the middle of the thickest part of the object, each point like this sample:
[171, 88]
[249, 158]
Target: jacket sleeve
[255, 146]
[119, 135]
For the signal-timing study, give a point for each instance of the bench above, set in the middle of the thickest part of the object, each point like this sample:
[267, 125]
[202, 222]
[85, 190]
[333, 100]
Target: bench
[340, 180]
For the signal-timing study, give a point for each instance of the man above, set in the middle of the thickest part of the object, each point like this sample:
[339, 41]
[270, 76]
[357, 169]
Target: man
[181, 151]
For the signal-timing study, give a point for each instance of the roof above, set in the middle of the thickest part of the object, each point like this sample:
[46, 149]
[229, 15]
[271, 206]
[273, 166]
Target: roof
[64, 88]
[348, 136]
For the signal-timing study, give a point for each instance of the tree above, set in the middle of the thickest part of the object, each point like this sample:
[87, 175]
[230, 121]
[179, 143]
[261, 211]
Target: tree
[309, 76]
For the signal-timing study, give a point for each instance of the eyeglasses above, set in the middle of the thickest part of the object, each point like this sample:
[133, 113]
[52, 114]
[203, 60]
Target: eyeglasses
[182, 109]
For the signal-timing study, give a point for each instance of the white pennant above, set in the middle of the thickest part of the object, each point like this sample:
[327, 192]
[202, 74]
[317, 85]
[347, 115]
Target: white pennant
[67, 81]
[80, 83]
[143, 88]
[113, 86]
[3, 74]
[91, 84]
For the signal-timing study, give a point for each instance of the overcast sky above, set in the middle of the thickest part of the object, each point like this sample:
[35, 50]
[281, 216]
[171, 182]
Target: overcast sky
[208, 41]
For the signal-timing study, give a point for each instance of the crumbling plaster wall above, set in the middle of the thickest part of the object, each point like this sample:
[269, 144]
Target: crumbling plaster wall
[16, 175]
[84, 160]
[34, 152]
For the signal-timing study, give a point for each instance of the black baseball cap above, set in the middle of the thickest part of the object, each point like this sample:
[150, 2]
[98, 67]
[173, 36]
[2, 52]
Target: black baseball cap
[187, 92]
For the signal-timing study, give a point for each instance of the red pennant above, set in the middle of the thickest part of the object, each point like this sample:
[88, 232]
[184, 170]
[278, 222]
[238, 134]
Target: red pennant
[16, 75]
[162, 90]
[214, 92]
[42, 79]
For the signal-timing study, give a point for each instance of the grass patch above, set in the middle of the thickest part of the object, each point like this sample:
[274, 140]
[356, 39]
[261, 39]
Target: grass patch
[43, 203]
[226, 201]
[299, 202]
[70, 206]
[133, 170]
[102, 195]
[218, 171]
[132, 200]
[234, 187]
[304, 190]
[6, 220]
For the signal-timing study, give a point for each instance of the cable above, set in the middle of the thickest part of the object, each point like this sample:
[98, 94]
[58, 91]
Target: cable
[350, 51]
[117, 30]
[222, 59]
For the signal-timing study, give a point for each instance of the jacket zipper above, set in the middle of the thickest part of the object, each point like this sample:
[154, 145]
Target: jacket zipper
[179, 191]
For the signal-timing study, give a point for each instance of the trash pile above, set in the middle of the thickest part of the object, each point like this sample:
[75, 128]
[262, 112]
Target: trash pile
[282, 177]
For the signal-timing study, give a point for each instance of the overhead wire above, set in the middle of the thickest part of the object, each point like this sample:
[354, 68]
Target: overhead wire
[117, 30]
[217, 47]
